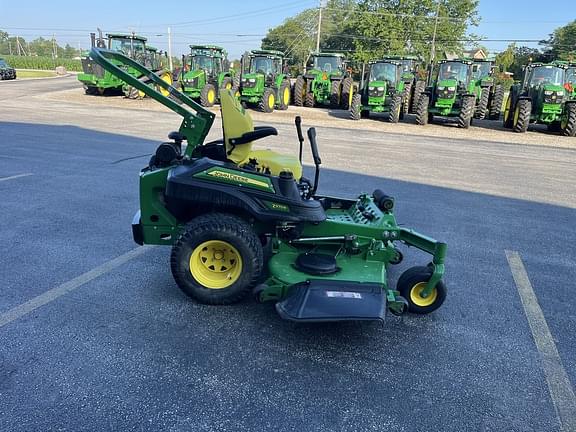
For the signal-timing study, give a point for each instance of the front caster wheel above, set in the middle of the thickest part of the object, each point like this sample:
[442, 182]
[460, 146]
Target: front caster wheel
[411, 285]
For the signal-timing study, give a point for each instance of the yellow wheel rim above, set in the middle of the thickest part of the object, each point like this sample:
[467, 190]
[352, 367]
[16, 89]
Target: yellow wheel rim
[141, 94]
[215, 264]
[507, 109]
[211, 96]
[167, 78]
[516, 114]
[416, 295]
[350, 96]
[228, 85]
[271, 101]
[286, 96]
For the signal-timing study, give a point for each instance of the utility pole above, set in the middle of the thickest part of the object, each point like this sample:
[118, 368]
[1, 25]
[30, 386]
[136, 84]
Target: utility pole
[18, 44]
[170, 49]
[54, 51]
[10, 45]
[319, 25]
[433, 46]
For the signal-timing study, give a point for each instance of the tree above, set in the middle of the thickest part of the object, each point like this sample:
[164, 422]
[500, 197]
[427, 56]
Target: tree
[506, 57]
[562, 43]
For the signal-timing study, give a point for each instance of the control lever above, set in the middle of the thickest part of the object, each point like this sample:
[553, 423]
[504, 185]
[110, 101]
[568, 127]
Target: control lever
[317, 160]
[298, 121]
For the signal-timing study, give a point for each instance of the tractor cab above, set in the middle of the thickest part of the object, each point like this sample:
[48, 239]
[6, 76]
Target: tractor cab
[331, 64]
[484, 70]
[570, 84]
[453, 77]
[263, 66]
[409, 66]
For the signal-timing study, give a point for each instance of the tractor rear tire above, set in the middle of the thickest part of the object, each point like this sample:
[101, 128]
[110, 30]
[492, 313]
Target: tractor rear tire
[482, 107]
[395, 109]
[335, 94]
[299, 91]
[208, 95]
[466, 112]
[227, 84]
[356, 107]
[406, 98]
[496, 103]
[422, 110]
[419, 88]
[347, 88]
[92, 91]
[412, 282]
[309, 102]
[237, 259]
[284, 96]
[568, 124]
[521, 118]
[508, 113]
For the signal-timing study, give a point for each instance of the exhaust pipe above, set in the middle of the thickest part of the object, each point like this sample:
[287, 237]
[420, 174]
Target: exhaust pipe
[93, 39]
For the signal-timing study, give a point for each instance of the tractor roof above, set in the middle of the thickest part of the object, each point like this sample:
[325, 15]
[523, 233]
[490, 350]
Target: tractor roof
[480, 60]
[404, 57]
[463, 61]
[207, 47]
[126, 36]
[554, 64]
[386, 60]
[149, 48]
[269, 53]
[327, 54]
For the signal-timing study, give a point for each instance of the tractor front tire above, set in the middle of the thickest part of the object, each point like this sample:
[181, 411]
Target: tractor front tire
[411, 284]
[419, 88]
[284, 96]
[208, 95]
[335, 94]
[227, 84]
[217, 259]
[299, 91]
[356, 107]
[407, 96]
[496, 103]
[466, 112]
[508, 113]
[309, 102]
[422, 110]
[521, 118]
[482, 107]
[568, 122]
[267, 101]
[347, 89]
[395, 109]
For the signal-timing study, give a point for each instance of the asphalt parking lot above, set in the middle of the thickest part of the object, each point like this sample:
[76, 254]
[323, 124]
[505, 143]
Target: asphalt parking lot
[95, 335]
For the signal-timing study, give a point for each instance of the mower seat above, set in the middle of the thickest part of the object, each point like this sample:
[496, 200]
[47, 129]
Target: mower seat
[239, 133]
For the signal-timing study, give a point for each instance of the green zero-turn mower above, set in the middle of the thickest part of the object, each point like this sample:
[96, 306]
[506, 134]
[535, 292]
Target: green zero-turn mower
[98, 81]
[452, 94]
[263, 83]
[326, 82]
[491, 96]
[382, 91]
[205, 73]
[542, 98]
[242, 220]
[414, 87]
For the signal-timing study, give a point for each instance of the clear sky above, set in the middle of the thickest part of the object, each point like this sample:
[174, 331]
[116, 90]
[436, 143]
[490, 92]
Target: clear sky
[239, 25]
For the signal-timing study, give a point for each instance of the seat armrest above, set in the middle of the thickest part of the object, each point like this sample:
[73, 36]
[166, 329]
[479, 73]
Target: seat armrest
[257, 133]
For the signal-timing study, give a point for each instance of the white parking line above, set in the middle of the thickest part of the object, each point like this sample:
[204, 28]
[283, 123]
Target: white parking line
[53, 294]
[557, 379]
[15, 177]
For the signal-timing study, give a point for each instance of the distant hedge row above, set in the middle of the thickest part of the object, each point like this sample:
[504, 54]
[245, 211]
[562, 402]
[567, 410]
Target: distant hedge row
[44, 63]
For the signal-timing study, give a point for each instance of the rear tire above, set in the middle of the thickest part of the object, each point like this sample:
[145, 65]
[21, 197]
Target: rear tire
[422, 110]
[568, 123]
[508, 113]
[299, 91]
[356, 107]
[466, 112]
[208, 96]
[335, 94]
[284, 96]
[347, 89]
[419, 88]
[496, 103]
[243, 263]
[226, 84]
[406, 98]
[482, 107]
[521, 118]
[395, 107]
[309, 100]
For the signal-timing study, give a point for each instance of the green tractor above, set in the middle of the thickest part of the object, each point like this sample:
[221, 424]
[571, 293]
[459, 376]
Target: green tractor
[326, 82]
[541, 98]
[98, 81]
[382, 90]
[263, 82]
[205, 74]
[414, 87]
[241, 220]
[570, 85]
[491, 96]
[452, 93]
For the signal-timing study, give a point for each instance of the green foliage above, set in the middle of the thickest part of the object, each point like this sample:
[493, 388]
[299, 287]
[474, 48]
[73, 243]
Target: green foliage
[38, 47]
[506, 58]
[562, 43]
[42, 63]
